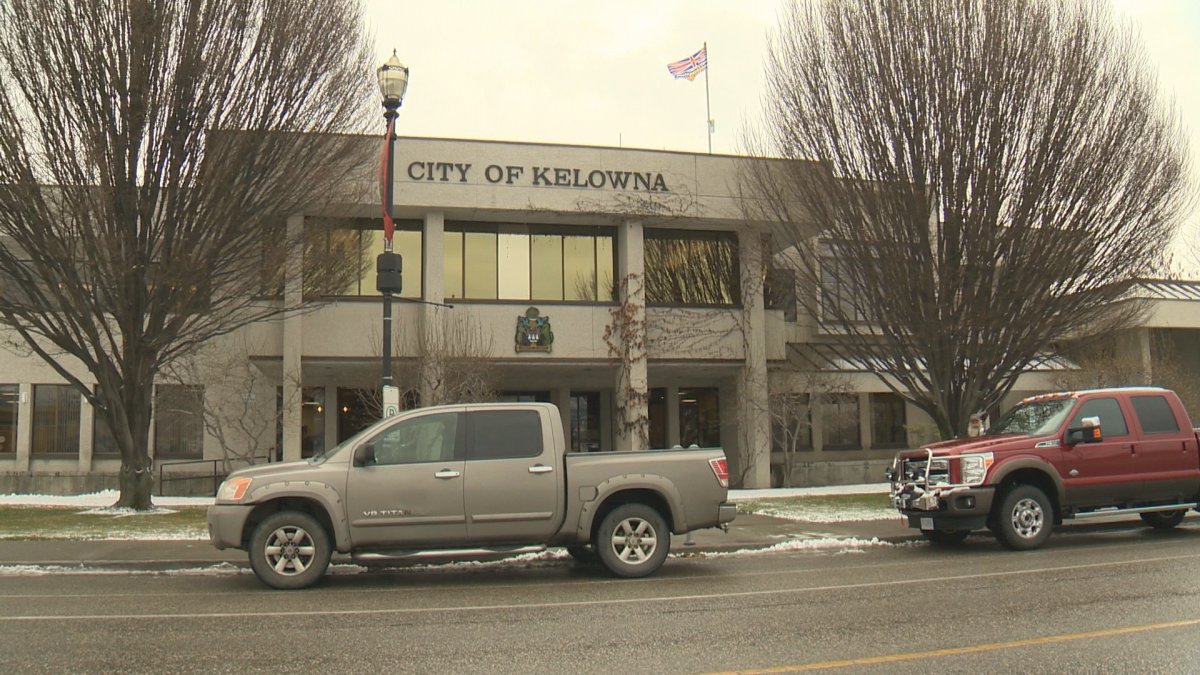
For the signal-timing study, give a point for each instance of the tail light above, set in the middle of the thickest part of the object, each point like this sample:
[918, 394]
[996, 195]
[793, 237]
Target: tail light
[721, 470]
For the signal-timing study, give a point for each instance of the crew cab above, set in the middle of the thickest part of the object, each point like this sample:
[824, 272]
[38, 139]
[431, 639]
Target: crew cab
[467, 481]
[1078, 454]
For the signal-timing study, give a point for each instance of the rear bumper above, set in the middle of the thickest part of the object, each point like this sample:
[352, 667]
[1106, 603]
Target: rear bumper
[726, 512]
[961, 509]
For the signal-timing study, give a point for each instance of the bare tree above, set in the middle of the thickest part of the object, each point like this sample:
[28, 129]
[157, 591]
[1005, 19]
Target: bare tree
[976, 181]
[149, 153]
[792, 410]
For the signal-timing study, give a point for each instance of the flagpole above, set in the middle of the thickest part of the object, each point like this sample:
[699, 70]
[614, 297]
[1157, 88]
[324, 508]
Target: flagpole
[707, 108]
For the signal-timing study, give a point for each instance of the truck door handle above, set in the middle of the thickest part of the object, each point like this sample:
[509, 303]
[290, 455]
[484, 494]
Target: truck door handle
[447, 473]
[540, 468]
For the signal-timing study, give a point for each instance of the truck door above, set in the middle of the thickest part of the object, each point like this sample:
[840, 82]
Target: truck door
[1165, 463]
[1098, 474]
[514, 483]
[412, 494]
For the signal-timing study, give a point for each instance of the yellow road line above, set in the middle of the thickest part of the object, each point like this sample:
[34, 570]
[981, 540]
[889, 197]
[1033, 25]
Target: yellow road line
[969, 649]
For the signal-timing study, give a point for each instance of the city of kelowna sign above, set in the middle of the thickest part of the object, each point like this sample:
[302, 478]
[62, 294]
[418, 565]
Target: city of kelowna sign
[538, 176]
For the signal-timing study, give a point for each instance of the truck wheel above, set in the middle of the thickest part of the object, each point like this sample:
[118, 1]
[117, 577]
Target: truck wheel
[289, 549]
[1164, 520]
[583, 554]
[633, 540]
[1025, 519]
[945, 537]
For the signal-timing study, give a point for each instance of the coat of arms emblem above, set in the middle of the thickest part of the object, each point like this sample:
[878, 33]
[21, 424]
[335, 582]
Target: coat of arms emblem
[533, 332]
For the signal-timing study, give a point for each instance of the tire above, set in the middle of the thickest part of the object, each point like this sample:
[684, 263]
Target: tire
[289, 550]
[1164, 520]
[584, 554]
[945, 537]
[632, 541]
[1025, 518]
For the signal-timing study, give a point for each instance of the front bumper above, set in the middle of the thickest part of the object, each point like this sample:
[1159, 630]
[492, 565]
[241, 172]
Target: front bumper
[226, 523]
[959, 508]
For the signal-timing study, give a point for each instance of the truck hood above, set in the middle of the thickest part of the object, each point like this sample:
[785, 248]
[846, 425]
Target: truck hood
[272, 470]
[962, 446]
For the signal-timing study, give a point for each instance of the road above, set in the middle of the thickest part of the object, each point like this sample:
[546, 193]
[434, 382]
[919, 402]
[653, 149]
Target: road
[1119, 600]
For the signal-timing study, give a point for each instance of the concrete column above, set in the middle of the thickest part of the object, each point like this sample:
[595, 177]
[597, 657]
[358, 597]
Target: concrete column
[331, 417]
[1144, 355]
[606, 421]
[753, 414]
[561, 397]
[24, 426]
[632, 388]
[864, 420]
[673, 435]
[433, 287]
[87, 423]
[293, 342]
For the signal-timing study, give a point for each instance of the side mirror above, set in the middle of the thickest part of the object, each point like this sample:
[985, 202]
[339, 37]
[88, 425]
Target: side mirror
[364, 455]
[1088, 432]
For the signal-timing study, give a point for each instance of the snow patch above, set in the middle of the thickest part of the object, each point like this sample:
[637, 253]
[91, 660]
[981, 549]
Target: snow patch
[102, 498]
[835, 544]
[858, 489]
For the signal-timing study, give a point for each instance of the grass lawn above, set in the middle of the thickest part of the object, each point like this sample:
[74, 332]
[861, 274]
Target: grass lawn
[70, 522]
[823, 508]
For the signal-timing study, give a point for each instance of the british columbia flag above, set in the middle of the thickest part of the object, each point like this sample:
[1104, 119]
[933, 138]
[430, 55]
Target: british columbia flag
[691, 66]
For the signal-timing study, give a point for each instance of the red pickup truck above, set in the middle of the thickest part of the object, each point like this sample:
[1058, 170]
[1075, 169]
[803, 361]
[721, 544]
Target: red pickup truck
[1076, 454]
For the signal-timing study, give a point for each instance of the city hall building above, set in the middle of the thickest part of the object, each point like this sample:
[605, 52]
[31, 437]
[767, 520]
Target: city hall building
[625, 286]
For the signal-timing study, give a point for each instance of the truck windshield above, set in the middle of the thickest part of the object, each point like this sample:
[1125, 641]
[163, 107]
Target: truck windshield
[1034, 418]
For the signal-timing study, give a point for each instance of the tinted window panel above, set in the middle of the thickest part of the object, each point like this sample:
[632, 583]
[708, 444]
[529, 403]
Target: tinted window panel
[501, 434]
[1154, 414]
[1112, 420]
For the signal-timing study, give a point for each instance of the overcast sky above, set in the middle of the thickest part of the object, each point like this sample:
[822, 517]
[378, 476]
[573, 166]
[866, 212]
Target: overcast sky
[594, 72]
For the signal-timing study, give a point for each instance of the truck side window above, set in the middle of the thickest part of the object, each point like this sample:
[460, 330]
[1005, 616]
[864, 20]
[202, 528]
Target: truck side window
[1112, 421]
[1154, 414]
[430, 438]
[502, 434]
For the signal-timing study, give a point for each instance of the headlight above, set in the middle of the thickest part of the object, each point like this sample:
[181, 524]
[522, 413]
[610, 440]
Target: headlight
[975, 467]
[233, 489]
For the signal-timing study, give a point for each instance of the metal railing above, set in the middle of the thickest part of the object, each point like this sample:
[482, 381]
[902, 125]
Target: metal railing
[218, 474]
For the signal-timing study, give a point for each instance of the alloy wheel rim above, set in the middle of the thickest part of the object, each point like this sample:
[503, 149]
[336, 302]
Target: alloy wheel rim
[634, 541]
[290, 550]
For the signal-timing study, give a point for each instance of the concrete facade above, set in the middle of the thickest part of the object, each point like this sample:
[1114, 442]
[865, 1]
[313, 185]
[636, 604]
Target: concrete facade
[625, 371]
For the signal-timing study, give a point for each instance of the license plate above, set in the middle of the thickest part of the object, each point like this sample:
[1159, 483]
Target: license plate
[927, 523]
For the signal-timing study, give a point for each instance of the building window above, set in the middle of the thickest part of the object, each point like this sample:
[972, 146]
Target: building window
[340, 261]
[56, 410]
[178, 421]
[839, 300]
[888, 421]
[585, 421]
[699, 417]
[691, 268]
[523, 397]
[528, 262]
[104, 442]
[779, 292]
[840, 419]
[10, 397]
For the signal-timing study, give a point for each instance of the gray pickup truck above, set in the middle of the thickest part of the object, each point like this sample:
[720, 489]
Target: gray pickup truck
[467, 481]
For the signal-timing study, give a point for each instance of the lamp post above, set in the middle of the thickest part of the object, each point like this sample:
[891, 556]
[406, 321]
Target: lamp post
[393, 81]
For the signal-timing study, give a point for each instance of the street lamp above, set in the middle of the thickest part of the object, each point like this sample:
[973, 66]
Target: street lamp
[393, 81]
